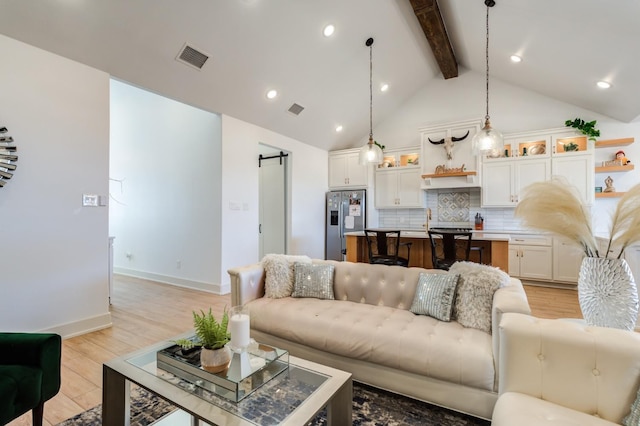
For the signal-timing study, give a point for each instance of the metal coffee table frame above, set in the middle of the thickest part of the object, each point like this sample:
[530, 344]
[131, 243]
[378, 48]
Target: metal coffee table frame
[335, 393]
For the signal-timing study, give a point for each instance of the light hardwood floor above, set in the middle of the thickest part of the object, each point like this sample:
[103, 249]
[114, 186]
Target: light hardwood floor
[145, 312]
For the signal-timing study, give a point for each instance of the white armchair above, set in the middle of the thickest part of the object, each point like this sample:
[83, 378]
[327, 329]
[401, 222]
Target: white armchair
[561, 372]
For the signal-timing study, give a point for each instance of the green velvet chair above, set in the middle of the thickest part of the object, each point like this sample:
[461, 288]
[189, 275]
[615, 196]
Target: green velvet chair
[29, 373]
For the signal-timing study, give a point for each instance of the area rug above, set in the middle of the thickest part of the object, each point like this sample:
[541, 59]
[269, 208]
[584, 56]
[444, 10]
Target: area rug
[371, 407]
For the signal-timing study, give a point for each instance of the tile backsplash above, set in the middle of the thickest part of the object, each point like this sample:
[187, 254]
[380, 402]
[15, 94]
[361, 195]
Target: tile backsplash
[450, 207]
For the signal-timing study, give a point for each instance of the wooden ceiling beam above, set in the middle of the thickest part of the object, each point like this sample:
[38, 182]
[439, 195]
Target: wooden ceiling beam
[428, 14]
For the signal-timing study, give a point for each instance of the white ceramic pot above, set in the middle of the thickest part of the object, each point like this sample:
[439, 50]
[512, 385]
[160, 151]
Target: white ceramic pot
[215, 360]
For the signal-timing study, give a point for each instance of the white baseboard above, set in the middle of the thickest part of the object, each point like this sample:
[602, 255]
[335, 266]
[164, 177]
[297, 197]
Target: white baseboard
[83, 326]
[219, 289]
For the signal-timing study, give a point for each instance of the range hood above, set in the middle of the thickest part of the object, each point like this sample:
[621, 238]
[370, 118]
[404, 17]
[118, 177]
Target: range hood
[466, 179]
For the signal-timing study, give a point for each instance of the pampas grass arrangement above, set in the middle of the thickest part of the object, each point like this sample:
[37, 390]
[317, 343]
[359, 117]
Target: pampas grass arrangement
[555, 206]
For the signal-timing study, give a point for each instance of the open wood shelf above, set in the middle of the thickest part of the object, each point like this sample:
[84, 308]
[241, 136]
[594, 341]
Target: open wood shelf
[626, 168]
[609, 194]
[614, 142]
[441, 175]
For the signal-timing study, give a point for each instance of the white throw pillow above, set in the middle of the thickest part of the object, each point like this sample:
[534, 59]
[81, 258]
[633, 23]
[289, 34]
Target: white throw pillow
[278, 282]
[474, 298]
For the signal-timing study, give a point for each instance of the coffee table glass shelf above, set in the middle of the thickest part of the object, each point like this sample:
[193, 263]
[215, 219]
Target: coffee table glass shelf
[286, 390]
[183, 369]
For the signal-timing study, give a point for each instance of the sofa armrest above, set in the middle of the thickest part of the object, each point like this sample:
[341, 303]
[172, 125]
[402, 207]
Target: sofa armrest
[595, 370]
[247, 283]
[40, 350]
[511, 298]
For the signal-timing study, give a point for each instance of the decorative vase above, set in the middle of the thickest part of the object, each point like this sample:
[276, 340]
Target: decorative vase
[215, 360]
[607, 293]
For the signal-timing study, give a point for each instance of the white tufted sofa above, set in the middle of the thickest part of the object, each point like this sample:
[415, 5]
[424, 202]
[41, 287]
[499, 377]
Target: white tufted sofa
[369, 331]
[558, 372]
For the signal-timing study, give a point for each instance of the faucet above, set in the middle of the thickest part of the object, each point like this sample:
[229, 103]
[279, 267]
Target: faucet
[426, 224]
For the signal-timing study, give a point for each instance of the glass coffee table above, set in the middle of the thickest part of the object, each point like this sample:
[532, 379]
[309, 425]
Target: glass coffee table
[294, 397]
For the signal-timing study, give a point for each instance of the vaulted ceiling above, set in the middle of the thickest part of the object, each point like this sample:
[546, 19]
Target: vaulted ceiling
[257, 45]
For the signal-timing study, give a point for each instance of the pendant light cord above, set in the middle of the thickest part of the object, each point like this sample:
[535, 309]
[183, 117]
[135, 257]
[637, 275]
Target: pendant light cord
[371, 91]
[487, 61]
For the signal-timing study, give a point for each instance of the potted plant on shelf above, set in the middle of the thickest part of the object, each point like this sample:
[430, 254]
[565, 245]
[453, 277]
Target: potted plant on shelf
[212, 335]
[587, 128]
[606, 288]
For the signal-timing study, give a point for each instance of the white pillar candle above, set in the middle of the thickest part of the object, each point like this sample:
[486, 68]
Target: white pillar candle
[239, 329]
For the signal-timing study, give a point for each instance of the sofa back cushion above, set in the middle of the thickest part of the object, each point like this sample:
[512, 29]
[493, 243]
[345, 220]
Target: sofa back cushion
[378, 285]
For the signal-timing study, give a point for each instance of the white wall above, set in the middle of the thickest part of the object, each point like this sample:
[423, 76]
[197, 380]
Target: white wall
[309, 182]
[166, 211]
[54, 260]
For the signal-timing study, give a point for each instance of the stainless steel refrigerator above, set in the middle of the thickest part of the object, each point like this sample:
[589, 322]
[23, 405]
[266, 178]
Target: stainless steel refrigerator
[346, 212]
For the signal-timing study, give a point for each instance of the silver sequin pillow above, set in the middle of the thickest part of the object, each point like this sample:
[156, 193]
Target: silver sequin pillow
[434, 296]
[315, 280]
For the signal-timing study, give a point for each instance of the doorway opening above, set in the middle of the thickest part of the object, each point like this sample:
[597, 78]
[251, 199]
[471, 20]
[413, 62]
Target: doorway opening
[273, 225]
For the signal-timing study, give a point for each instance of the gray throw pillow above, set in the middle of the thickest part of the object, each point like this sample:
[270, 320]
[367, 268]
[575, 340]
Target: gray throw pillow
[474, 297]
[315, 280]
[434, 296]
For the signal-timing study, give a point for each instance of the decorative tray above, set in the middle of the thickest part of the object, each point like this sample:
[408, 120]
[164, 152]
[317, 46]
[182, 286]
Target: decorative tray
[266, 362]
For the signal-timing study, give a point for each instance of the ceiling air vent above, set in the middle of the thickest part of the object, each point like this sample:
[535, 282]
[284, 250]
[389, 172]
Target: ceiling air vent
[295, 109]
[191, 56]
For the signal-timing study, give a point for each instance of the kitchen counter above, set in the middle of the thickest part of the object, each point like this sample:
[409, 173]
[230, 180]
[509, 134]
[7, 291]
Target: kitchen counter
[477, 235]
[495, 248]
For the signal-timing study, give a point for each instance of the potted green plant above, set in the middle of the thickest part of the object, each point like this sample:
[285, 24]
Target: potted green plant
[212, 335]
[587, 128]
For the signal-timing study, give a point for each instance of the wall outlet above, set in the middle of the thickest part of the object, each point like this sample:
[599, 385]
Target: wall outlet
[90, 200]
[178, 264]
[128, 255]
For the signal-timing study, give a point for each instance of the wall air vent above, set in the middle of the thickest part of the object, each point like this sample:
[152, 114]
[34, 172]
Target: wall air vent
[191, 56]
[295, 109]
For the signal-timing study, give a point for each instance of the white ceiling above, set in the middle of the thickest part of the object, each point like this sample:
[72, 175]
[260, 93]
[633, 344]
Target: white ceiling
[256, 45]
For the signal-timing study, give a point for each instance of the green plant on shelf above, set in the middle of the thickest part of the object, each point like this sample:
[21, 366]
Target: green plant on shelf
[587, 128]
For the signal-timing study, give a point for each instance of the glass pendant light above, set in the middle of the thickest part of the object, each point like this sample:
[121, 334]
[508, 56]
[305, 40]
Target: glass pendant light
[370, 153]
[487, 140]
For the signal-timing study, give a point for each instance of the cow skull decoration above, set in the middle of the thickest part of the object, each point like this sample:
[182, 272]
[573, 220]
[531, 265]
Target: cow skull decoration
[448, 144]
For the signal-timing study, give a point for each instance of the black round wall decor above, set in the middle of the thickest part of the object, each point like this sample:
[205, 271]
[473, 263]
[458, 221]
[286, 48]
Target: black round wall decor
[8, 156]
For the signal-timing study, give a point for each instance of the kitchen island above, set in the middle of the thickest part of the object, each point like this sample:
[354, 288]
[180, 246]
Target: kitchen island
[495, 248]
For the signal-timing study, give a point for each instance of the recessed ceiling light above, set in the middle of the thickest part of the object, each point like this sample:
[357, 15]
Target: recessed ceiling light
[384, 87]
[603, 84]
[328, 30]
[338, 129]
[272, 94]
[516, 58]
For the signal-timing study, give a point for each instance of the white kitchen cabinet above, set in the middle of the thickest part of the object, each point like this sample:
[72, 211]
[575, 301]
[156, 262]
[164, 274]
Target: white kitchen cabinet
[503, 179]
[530, 257]
[579, 170]
[567, 258]
[399, 188]
[344, 170]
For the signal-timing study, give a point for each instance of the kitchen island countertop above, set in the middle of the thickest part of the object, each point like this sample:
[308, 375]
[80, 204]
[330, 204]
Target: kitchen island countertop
[477, 235]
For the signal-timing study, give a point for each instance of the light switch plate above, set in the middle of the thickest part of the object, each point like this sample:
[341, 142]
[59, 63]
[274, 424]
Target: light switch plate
[90, 200]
